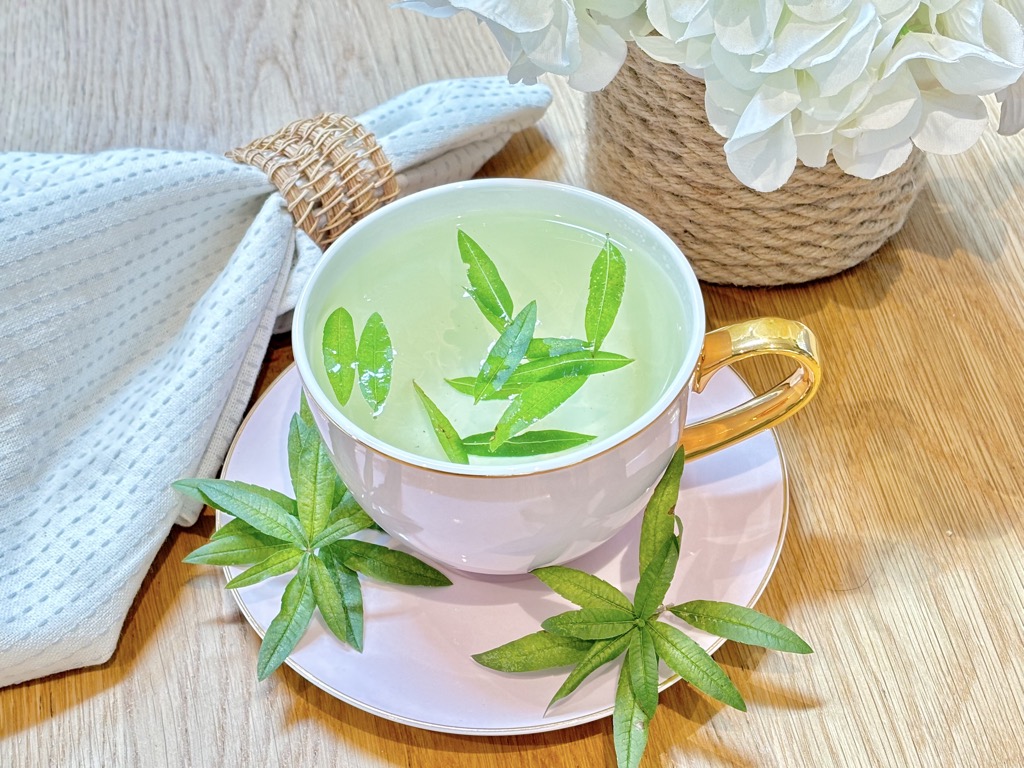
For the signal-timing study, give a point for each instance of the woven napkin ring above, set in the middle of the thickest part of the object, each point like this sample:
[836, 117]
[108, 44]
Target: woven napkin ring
[330, 170]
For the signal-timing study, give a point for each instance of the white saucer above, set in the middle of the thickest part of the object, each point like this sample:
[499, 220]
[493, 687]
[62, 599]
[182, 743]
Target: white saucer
[416, 667]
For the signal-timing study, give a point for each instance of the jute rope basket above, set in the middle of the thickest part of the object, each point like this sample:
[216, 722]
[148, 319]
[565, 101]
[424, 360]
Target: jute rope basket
[330, 170]
[651, 148]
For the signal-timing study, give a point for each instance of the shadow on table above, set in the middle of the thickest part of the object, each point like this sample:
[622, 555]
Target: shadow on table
[590, 744]
[31, 703]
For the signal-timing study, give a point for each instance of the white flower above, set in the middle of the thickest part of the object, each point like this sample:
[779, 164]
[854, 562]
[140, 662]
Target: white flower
[865, 80]
[861, 80]
[584, 41]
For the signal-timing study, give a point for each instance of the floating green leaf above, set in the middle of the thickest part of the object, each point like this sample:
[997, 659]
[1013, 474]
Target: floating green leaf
[375, 356]
[339, 350]
[449, 439]
[533, 405]
[541, 650]
[507, 353]
[239, 549]
[553, 347]
[694, 664]
[533, 443]
[590, 623]
[263, 511]
[312, 473]
[571, 364]
[607, 284]
[582, 588]
[629, 723]
[485, 284]
[281, 562]
[659, 521]
[744, 625]
[600, 653]
[388, 564]
[287, 628]
[466, 385]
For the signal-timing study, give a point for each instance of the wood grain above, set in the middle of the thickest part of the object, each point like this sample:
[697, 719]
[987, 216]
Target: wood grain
[903, 563]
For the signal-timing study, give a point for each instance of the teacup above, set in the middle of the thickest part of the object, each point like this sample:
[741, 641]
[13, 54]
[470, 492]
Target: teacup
[512, 518]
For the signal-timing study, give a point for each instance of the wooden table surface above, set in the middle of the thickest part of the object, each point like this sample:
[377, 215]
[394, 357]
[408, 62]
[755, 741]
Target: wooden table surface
[903, 566]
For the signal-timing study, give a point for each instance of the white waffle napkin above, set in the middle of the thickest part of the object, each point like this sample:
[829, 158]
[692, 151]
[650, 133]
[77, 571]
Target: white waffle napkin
[138, 292]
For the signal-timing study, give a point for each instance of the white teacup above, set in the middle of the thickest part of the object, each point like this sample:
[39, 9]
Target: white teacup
[513, 518]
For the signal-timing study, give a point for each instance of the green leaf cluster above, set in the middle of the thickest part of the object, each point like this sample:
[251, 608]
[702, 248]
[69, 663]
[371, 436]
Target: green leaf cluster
[608, 625]
[373, 358]
[274, 534]
[535, 375]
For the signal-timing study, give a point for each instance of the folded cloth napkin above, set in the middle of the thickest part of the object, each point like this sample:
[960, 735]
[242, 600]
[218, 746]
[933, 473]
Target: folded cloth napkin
[140, 289]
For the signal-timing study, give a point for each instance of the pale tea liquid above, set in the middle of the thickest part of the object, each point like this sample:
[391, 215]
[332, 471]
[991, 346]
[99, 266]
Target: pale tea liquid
[417, 283]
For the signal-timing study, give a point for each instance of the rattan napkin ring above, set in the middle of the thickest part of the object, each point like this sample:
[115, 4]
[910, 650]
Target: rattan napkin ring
[330, 170]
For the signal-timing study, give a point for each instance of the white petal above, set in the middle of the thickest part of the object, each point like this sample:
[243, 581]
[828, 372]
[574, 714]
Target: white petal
[838, 108]
[1011, 110]
[736, 69]
[892, 104]
[745, 27]
[555, 48]
[1004, 32]
[796, 38]
[671, 17]
[835, 45]
[513, 50]
[773, 101]
[941, 6]
[703, 24]
[836, 74]
[518, 17]
[812, 148]
[870, 166]
[691, 54]
[438, 9]
[950, 125]
[616, 9]
[764, 162]
[960, 67]
[817, 10]
[602, 52]
[723, 102]
[893, 22]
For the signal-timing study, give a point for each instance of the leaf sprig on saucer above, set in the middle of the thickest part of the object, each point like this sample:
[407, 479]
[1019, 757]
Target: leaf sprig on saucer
[275, 534]
[535, 375]
[609, 625]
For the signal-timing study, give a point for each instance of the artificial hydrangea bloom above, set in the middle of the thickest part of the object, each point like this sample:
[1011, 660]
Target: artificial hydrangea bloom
[866, 81]
[584, 40]
[861, 80]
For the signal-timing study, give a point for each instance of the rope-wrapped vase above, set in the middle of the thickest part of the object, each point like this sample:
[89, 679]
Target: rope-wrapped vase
[651, 147]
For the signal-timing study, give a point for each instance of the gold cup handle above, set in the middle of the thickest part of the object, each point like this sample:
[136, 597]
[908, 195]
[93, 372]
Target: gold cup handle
[763, 336]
